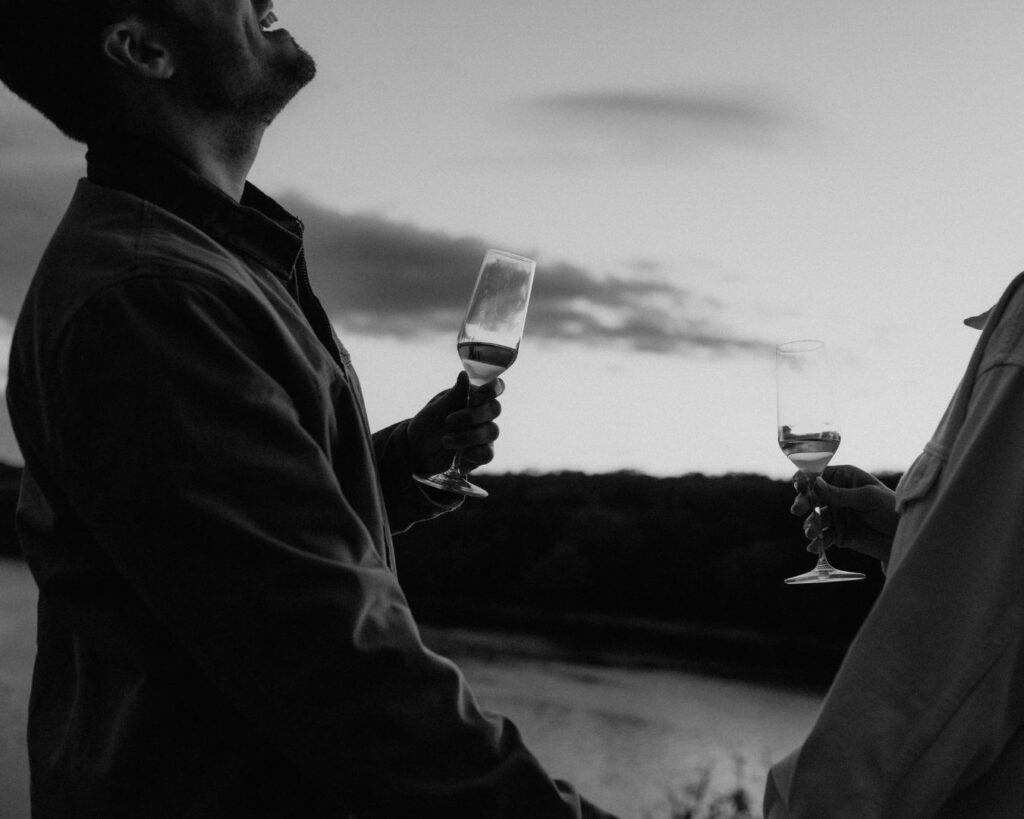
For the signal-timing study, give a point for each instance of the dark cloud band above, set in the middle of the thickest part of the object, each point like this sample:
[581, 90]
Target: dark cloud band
[643, 125]
[387, 278]
[378, 276]
[740, 110]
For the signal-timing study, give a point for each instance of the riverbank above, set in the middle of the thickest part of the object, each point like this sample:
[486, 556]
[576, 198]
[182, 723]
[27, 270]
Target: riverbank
[643, 727]
[634, 716]
[646, 743]
[799, 664]
[17, 650]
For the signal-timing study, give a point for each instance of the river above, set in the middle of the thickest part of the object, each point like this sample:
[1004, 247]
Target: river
[631, 739]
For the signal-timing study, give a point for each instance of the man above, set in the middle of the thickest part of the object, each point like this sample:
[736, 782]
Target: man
[221, 632]
[926, 716]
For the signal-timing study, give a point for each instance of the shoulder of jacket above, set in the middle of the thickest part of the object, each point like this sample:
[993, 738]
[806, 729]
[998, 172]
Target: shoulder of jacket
[108, 244]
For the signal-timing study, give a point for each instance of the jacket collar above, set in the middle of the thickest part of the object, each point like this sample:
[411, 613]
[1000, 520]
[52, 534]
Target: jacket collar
[257, 227]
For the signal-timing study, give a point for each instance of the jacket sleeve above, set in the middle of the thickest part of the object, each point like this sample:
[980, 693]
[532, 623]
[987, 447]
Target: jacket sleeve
[408, 501]
[189, 465]
[932, 689]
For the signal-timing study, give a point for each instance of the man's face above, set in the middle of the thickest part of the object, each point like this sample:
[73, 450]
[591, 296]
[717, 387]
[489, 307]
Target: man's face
[228, 64]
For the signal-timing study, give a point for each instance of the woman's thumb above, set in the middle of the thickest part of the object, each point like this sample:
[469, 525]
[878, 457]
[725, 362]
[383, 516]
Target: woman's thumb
[843, 497]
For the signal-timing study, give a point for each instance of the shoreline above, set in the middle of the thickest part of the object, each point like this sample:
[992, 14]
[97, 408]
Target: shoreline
[798, 665]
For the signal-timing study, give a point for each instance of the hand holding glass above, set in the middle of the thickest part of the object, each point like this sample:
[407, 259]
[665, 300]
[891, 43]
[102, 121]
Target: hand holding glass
[489, 338]
[808, 436]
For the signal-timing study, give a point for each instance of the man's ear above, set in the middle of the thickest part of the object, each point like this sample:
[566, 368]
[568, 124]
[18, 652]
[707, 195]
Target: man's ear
[134, 46]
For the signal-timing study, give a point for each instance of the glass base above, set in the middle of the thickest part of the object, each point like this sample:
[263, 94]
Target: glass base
[824, 572]
[453, 481]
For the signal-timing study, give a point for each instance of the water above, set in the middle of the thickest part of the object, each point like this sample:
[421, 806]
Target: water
[632, 739]
[17, 649]
[629, 739]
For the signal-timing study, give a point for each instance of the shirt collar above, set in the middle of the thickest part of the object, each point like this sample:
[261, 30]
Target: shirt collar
[257, 227]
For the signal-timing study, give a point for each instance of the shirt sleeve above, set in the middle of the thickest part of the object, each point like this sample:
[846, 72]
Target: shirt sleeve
[932, 689]
[188, 464]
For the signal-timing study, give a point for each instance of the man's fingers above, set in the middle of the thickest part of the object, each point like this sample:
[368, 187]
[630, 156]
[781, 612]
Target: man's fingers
[483, 394]
[473, 415]
[481, 434]
[475, 456]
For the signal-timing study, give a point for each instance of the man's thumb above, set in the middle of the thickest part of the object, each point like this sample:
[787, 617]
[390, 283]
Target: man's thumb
[459, 394]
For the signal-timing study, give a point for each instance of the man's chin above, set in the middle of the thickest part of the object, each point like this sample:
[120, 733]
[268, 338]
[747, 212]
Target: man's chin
[287, 77]
[299, 69]
[308, 66]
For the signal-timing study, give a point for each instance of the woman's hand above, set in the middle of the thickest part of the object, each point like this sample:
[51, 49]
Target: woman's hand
[863, 510]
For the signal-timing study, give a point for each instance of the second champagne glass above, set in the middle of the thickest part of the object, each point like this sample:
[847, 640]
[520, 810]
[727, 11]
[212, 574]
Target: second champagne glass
[808, 435]
[488, 341]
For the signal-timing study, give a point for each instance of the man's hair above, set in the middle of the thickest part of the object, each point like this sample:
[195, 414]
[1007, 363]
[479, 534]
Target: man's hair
[51, 57]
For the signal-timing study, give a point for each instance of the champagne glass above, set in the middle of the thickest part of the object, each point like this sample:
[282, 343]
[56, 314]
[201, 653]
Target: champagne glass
[488, 340]
[808, 437]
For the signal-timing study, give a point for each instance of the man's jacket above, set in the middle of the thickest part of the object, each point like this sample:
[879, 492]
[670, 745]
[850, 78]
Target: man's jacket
[208, 518]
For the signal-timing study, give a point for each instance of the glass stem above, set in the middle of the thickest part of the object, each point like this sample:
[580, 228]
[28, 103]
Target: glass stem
[823, 567]
[821, 513]
[456, 467]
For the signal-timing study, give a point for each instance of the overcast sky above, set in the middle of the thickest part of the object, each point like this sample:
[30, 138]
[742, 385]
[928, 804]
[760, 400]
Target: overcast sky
[698, 181]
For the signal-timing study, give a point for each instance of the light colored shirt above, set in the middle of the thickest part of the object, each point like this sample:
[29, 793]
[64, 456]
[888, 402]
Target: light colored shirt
[925, 718]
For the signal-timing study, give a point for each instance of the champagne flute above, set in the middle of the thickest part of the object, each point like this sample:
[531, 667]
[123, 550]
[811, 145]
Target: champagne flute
[488, 341]
[808, 437]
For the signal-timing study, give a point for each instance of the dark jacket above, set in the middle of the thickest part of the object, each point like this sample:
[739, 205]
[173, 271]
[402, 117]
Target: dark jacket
[208, 519]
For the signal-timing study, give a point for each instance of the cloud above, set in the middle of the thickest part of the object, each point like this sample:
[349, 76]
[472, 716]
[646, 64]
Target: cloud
[736, 111]
[382, 277]
[646, 125]
[375, 275]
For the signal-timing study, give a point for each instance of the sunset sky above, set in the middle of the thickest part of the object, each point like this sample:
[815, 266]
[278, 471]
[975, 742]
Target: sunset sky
[698, 180]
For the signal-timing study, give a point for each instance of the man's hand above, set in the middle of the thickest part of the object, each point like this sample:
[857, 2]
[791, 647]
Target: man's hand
[449, 422]
[862, 508]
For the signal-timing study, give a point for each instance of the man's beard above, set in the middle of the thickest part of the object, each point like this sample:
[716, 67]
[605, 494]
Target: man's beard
[284, 78]
[247, 98]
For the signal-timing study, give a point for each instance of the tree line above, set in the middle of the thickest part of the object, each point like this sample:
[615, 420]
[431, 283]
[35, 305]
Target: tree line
[687, 567]
[691, 566]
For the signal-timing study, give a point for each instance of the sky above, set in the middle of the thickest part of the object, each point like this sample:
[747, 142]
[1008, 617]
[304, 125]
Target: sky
[698, 180]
